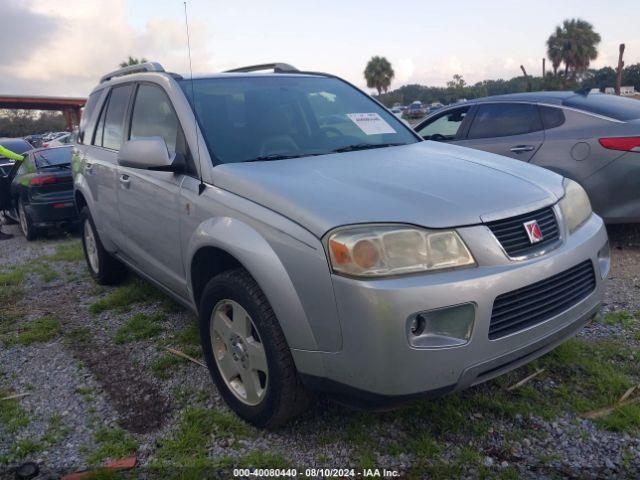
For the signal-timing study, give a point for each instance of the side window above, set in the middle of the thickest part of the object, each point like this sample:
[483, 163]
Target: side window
[87, 113]
[114, 120]
[154, 116]
[110, 131]
[445, 126]
[551, 117]
[505, 119]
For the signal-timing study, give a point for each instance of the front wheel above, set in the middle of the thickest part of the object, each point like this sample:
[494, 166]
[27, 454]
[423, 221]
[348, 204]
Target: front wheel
[26, 224]
[246, 352]
[104, 268]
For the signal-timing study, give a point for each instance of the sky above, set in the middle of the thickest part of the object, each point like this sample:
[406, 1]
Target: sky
[62, 47]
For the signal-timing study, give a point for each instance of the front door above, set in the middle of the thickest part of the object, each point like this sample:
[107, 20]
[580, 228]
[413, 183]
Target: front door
[148, 201]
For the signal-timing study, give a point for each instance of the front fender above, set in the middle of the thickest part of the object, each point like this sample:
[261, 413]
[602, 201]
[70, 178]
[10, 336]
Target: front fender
[253, 251]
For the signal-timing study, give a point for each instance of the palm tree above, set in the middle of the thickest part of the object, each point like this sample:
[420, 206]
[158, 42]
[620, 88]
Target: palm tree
[575, 43]
[554, 49]
[379, 74]
[132, 61]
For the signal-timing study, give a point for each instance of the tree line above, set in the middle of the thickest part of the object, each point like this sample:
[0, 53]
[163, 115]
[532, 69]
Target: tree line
[570, 49]
[20, 123]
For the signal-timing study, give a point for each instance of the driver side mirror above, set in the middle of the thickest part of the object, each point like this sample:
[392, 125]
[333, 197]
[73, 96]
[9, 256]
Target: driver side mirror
[149, 153]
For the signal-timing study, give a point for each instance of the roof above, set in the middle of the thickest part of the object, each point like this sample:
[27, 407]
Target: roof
[556, 97]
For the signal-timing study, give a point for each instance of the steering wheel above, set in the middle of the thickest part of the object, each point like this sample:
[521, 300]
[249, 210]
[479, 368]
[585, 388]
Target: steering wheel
[437, 137]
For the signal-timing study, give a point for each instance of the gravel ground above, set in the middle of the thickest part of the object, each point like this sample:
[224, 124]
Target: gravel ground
[80, 384]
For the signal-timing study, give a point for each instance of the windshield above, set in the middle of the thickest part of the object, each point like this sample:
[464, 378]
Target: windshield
[53, 157]
[16, 145]
[271, 117]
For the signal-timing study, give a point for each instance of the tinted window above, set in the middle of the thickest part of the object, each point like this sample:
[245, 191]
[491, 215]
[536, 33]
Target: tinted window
[16, 145]
[113, 125]
[504, 119]
[87, 113]
[445, 126]
[620, 108]
[551, 117]
[53, 156]
[244, 118]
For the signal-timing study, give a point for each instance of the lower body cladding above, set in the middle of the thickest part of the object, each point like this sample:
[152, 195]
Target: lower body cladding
[427, 335]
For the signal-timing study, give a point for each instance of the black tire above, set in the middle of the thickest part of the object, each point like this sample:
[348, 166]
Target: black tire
[285, 396]
[110, 271]
[26, 223]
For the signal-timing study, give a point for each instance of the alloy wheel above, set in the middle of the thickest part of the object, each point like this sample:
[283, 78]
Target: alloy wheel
[238, 352]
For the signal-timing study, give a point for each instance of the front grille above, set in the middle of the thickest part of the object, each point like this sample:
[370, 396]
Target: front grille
[542, 300]
[513, 236]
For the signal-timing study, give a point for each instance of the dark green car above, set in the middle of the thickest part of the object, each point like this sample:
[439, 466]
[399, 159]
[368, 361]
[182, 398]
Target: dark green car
[41, 191]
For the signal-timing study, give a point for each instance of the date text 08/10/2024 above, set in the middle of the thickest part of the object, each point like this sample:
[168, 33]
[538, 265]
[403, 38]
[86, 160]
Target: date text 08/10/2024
[315, 473]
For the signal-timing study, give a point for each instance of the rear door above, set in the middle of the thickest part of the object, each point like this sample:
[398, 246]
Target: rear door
[510, 129]
[99, 161]
[149, 201]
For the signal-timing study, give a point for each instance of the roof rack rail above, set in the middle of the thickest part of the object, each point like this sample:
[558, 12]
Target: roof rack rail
[276, 67]
[141, 67]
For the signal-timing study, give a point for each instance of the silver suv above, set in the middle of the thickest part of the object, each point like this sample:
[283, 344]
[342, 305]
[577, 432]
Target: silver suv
[324, 245]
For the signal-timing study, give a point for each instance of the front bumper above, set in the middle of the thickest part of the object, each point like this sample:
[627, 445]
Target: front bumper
[378, 363]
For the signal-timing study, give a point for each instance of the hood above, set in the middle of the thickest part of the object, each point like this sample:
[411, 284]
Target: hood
[426, 183]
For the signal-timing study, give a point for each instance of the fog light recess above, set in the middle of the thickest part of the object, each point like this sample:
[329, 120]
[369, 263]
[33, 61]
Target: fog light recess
[604, 260]
[442, 327]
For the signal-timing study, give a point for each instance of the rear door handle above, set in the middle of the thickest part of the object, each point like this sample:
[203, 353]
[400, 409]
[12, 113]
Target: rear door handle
[522, 148]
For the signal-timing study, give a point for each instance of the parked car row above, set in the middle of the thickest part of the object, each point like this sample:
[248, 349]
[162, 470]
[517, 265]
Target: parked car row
[317, 236]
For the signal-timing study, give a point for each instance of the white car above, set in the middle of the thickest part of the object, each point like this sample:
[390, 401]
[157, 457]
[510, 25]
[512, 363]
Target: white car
[60, 141]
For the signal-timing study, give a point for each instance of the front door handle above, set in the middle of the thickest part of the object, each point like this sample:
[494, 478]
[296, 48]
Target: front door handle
[88, 167]
[522, 148]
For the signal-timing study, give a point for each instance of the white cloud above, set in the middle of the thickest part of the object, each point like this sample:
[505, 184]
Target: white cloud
[92, 38]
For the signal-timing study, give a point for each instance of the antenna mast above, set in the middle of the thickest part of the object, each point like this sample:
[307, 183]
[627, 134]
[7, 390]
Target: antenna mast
[202, 186]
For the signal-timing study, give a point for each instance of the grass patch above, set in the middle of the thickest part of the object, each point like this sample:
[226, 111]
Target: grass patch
[112, 443]
[623, 318]
[139, 327]
[24, 448]
[162, 366]
[41, 329]
[122, 298]
[15, 275]
[68, 252]
[191, 441]
[12, 416]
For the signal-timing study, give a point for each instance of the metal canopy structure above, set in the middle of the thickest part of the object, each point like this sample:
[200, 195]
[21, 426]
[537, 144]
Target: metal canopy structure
[69, 106]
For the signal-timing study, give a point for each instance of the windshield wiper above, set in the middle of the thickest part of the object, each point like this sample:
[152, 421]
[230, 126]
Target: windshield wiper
[278, 156]
[365, 146]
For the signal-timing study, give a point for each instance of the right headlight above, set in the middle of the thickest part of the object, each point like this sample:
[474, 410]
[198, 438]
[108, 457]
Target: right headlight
[575, 205]
[384, 250]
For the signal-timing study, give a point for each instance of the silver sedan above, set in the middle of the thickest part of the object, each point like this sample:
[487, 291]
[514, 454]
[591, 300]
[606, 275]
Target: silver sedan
[593, 139]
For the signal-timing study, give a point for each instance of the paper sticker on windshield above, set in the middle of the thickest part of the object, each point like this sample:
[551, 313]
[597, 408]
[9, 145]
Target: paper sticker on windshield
[371, 123]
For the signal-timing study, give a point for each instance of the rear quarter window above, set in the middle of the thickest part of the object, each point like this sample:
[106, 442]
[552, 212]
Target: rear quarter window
[551, 117]
[87, 114]
[612, 106]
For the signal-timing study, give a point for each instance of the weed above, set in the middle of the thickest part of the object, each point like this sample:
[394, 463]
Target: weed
[68, 252]
[123, 297]
[41, 329]
[112, 443]
[139, 327]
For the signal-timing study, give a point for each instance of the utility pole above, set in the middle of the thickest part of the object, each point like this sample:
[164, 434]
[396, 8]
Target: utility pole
[619, 70]
[544, 69]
